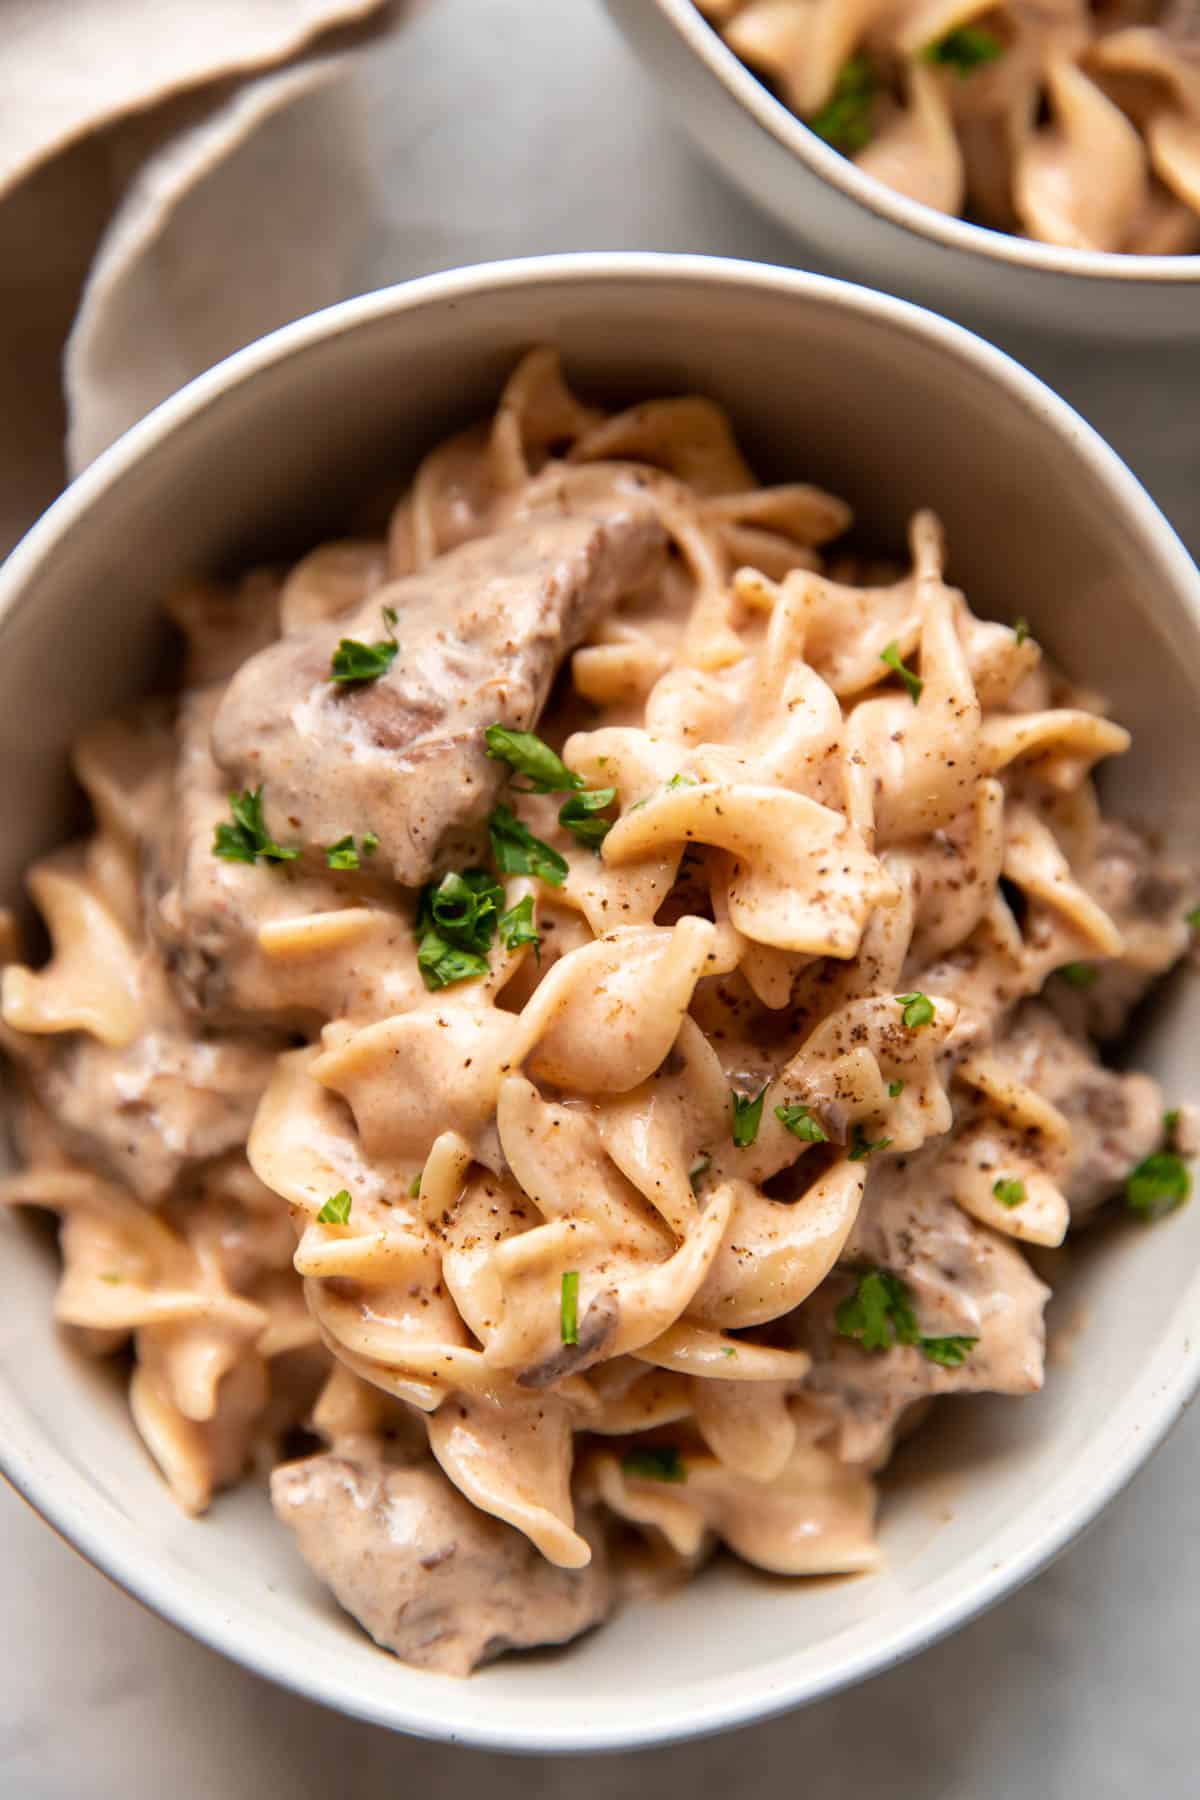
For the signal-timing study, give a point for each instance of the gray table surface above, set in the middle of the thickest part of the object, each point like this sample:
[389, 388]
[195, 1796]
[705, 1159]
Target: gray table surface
[501, 128]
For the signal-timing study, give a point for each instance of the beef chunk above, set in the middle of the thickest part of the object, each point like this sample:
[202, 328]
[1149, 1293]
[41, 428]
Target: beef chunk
[481, 634]
[428, 1576]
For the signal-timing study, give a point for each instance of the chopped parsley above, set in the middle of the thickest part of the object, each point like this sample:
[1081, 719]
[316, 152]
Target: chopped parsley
[336, 1210]
[879, 1315]
[895, 1089]
[518, 852]
[1158, 1185]
[1078, 974]
[655, 1462]
[951, 1352]
[747, 1113]
[678, 781]
[1009, 1191]
[800, 1122]
[578, 816]
[355, 661]
[370, 843]
[699, 1170]
[1171, 1122]
[443, 965]
[414, 1186]
[914, 684]
[918, 1010]
[465, 907]
[861, 1146]
[456, 922]
[247, 839]
[569, 1307]
[342, 855]
[1193, 918]
[845, 119]
[1021, 628]
[517, 927]
[964, 50]
[526, 755]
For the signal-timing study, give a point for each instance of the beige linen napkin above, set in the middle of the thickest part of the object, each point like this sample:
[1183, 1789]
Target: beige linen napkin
[113, 114]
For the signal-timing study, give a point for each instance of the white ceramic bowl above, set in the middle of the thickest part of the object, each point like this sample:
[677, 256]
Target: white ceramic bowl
[886, 405]
[874, 234]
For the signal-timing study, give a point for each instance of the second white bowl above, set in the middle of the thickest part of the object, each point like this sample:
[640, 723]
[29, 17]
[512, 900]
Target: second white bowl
[869, 231]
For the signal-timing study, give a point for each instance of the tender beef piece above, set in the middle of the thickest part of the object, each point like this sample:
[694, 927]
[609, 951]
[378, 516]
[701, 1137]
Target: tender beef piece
[963, 1280]
[1147, 894]
[428, 1576]
[205, 912]
[1115, 1119]
[481, 634]
[145, 1112]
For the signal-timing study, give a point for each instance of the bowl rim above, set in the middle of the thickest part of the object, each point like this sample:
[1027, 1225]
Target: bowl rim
[1167, 1381]
[782, 125]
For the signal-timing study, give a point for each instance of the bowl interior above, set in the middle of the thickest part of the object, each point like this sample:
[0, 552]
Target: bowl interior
[885, 406]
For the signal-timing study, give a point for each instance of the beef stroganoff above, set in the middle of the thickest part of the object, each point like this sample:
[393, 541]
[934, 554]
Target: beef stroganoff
[1076, 122]
[579, 1002]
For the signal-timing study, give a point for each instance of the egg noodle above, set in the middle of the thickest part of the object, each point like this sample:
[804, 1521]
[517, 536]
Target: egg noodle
[665, 1188]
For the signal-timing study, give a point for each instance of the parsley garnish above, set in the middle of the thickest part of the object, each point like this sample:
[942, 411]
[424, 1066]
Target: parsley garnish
[845, 119]
[895, 1089]
[655, 1462]
[861, 1146]
[1009, 1192]
[964, 50]
[247, 839]
[914, 684]
[577, 815]
[465, 907]
[746, 1116]
[678, 781]
[414, 1186]
[456, 922]
[517, 927]
[951, 1352]
[526, 755]
[370, 843]
[569, 1307]
[1078, 975]
[442, 964]
[355, 661]
[1021, 627]
[518, 852]
[1193, 918]
[342, 855]
[1171, 1121]
[1158, 1185]
[879, 1314]
[918, 1009]
[699, 1170]
[800, 1122]
[336, 1210]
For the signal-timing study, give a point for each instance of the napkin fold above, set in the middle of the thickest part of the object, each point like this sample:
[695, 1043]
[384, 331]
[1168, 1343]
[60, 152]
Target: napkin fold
[117, 115]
